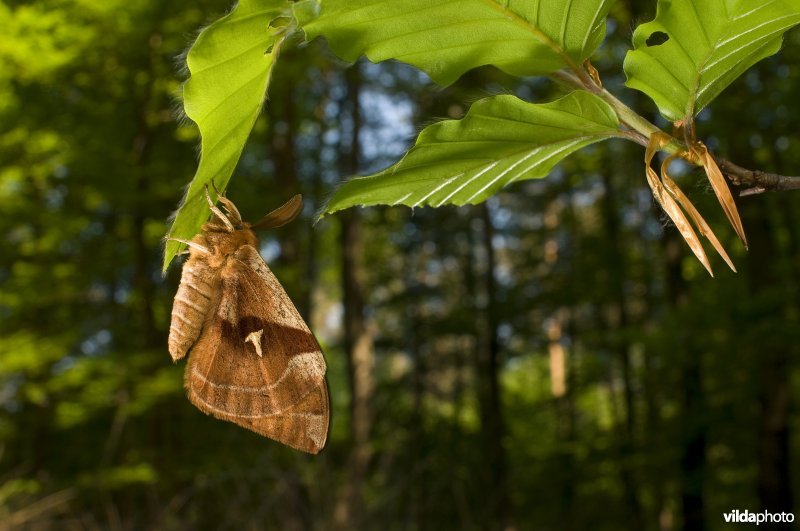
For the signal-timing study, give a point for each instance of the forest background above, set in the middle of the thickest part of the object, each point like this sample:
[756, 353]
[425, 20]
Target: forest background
[554, 358]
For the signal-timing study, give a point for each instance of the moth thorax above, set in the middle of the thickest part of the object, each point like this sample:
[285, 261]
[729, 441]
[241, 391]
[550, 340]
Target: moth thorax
[227, 243]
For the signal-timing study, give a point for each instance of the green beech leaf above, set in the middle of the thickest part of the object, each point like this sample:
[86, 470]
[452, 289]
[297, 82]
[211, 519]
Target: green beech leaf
[230, 65]
[692, 50]
[445, 38]
[501, 140]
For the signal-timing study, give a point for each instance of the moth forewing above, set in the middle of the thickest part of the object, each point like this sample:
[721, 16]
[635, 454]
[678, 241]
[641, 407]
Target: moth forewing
[252, 359]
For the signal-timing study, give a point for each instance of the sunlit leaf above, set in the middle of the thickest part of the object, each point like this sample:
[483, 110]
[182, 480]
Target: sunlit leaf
[230, 65]
[445, 38]
[692, 50]
[501, 140]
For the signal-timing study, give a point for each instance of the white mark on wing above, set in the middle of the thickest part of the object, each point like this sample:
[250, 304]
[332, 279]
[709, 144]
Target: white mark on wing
[255, 339]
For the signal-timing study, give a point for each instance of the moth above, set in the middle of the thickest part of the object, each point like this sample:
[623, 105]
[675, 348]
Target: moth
[252, 359]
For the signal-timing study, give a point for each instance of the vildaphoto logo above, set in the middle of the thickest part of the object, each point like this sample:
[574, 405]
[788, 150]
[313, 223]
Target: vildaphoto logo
[746, 517]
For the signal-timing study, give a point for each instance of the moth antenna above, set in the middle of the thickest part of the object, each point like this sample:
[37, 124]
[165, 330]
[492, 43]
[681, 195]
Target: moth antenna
[227, 204]
[191, 244]
[231, 209]
[281, 215]
[217, 212]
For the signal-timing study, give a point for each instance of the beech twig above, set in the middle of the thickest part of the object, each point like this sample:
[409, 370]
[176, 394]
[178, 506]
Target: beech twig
[757, 181]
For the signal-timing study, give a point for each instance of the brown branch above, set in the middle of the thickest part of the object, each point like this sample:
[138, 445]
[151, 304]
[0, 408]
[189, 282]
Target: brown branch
[757, 181]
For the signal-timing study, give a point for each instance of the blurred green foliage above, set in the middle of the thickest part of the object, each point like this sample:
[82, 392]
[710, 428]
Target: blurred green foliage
[664, 365]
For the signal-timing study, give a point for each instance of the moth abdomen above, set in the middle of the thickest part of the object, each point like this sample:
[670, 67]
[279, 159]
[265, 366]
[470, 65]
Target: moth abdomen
[193, 300]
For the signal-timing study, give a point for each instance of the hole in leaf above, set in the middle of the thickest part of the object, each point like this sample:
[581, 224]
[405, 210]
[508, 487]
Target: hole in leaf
[269, 49]
[657, 38]
[280, 22]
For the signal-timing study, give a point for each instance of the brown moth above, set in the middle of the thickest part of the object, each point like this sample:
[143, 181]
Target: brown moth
[252, 359]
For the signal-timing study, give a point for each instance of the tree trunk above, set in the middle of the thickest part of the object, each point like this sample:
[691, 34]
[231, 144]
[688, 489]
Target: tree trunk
[358, 340]
[418, 497]
[693, 407]
[140, 152]
[311, 273]
[283, 153]
[620, 344]
[774, 481]
[492, 421]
